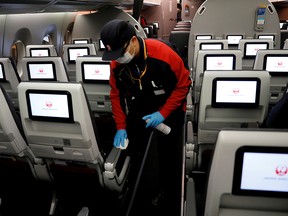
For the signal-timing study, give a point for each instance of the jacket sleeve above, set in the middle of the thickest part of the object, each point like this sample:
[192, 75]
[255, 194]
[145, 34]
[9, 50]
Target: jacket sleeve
[118, 113]
[180, 92]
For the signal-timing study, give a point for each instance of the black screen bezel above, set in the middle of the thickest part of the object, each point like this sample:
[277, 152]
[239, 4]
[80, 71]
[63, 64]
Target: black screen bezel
[46, 49]
[89, 80]
[75, 48]
[219, 55]
[238, 165]
[274, 73]
[43, 79]
[215, 104]
[249, 43]
[46, 118]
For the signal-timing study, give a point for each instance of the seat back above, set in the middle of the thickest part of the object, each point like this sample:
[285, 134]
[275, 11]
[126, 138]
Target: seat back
[207, 45]
[43, 50]
[276, 63]
[57, 121]
[59, 127]
[70, 54]
[10, 79]
[249, 48]
[94, 74]
[13, 142]
[48, 69]
[234, 99]
[180, 39]
[248, 172]
[214, 60]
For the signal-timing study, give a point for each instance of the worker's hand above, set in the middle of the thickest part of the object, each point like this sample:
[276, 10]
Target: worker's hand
[153, 119]
[120, 137]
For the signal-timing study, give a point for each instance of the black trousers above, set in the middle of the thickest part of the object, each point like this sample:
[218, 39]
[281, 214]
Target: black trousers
[167, 155]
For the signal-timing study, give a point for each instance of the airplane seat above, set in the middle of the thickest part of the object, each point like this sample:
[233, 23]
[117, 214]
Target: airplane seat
[180, 39]
[230, 99]
[43, 50]
[13, 141]
[248, 174]
[207, 44]
[249, 48]
[94, 75]
[10, 79]
[214, 60]
[276, 63]
[59, 127]
[70, 54]
[47, 69]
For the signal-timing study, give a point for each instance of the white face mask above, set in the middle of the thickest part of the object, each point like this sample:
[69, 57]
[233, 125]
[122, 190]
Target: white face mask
[126, 58]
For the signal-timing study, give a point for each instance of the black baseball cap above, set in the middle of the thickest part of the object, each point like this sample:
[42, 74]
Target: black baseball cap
[114, 35]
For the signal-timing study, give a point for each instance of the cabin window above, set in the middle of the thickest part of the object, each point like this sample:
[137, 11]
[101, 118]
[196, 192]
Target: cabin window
[17, 53]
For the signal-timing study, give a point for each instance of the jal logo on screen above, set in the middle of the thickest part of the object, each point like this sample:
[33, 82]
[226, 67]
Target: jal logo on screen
[236, 91]
[281, 170]
[49, 104]
[97, 71]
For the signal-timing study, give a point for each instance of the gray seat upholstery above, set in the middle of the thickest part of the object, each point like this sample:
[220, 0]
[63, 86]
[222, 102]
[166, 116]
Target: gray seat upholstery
[42, 50]
[217, 112]
[94, 74]
[10, 79]
[249, 48]
[276, 63]
[60, 128]
[71, 52]
[225, 196]
[13, 142]
[43, 69]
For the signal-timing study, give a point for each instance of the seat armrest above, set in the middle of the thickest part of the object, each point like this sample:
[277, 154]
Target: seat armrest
[112, 180]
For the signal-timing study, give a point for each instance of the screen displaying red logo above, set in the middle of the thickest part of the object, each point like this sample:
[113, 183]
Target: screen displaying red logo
[41, 70]
[281, 170]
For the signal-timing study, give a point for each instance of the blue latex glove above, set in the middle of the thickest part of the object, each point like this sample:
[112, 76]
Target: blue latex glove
[154, 119]
[120, 137]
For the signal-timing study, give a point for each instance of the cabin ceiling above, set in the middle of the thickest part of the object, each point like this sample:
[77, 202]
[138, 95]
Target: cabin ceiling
[38, 6]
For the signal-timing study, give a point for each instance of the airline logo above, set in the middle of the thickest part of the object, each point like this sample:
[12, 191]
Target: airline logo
[281, 170]
[236, 91]
[49, 104]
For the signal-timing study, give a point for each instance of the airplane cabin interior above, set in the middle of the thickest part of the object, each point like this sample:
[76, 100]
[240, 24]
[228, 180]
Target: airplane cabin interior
[65, 164]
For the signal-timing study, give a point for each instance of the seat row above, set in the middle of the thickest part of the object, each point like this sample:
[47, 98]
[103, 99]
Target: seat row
[55, 127]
